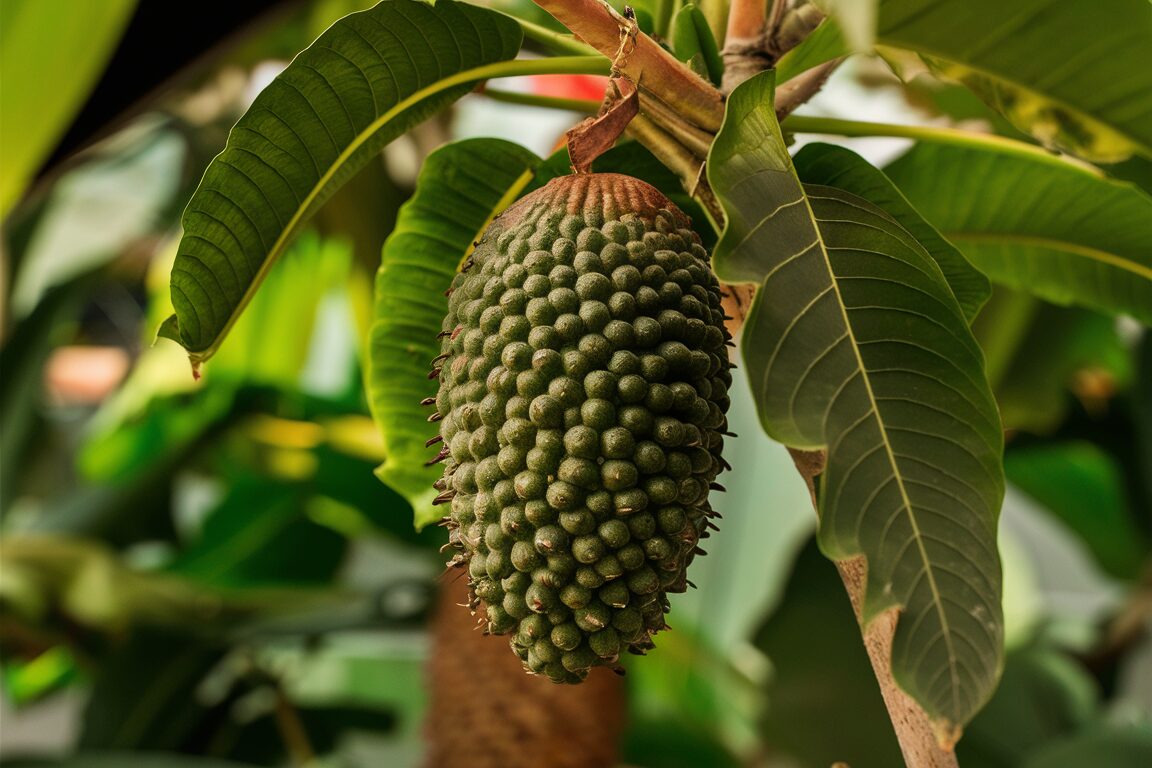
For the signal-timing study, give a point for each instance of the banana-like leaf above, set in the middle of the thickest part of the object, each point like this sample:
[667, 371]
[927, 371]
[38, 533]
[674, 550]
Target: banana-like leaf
[856, 345]
[462, 186]
[1059, 230]
[369, 78]
[1073, 74]
[842, 168]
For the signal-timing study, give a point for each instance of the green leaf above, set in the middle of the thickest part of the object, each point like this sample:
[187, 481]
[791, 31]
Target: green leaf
[693, 42]
[461, 188]
[1043, 696]
[1113, 746]
[1073, 74]
[841, 168]
[1033, 376]
[1059, 230]
[259, 535]
[61, 56]
[856, 345]
[824, 44]
[1082, 486]
[364, 82]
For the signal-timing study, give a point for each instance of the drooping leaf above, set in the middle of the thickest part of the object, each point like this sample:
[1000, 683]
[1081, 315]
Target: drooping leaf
[856, 345]
[841, 168]
[1059, 230]
[1073, 74]
[365, 81]
[462, 186]
[59, 57]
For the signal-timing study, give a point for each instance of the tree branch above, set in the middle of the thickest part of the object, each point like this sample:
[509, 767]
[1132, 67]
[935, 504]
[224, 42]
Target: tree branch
[918, 739]
[656, 73]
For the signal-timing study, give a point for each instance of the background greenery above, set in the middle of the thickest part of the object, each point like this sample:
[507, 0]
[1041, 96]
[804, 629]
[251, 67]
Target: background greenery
[195, 574]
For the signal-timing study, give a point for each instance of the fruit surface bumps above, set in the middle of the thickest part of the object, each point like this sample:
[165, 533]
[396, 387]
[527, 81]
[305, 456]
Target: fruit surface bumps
[583, 389]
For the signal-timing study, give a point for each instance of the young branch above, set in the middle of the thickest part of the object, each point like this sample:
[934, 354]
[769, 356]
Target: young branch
[656, 73]
[745, 53]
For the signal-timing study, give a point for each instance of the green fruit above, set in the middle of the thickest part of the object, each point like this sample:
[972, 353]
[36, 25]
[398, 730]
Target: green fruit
[583, 392]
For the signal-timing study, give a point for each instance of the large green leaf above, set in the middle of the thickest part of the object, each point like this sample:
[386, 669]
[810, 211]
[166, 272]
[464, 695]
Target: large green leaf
[364, 82]
[1073, 73]
[856, 345]
[1059, 230]
[841, 168]
[462, 186]
[58, 54]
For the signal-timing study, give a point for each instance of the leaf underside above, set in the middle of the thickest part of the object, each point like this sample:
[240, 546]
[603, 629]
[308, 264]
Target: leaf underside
[1073, 74]
[462, 186]
[856, 344]
[843, 169]
[1062, 232]
[369, 78]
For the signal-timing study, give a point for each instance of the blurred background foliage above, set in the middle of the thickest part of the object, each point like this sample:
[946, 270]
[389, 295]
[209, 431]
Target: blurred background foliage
[207, 574]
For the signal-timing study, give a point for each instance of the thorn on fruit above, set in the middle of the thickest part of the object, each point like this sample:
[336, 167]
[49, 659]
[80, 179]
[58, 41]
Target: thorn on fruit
[433, 441]
[439, 458]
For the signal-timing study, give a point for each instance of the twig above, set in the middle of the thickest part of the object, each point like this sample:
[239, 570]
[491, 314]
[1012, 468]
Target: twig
[745, 53]
[656, 73]
[803, 87]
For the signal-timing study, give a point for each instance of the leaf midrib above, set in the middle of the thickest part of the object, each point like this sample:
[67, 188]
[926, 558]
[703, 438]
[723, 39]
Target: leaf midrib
[1088, 252]
[516, 67]
[1078, 112]
[874, 412]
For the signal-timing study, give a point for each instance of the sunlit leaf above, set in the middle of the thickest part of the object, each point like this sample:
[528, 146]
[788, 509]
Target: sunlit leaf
[841, 168]
[461, 188]
[1074, 74]
[856, 345]
[1059, 230]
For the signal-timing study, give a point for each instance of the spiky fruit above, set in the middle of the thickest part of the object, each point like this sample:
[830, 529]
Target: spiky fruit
[583, 392]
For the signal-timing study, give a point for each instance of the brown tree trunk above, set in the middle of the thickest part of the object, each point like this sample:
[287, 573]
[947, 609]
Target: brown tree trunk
[487, 712]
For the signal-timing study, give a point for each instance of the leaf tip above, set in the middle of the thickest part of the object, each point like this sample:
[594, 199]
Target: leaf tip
[947, 733]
